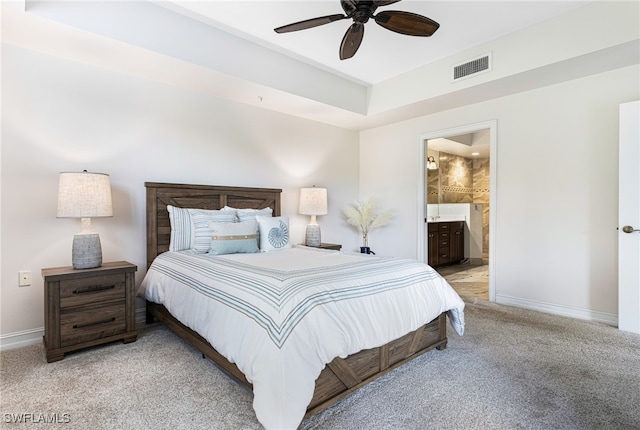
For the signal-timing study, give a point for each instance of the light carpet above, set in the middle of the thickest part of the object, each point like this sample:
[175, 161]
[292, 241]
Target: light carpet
[513, 369]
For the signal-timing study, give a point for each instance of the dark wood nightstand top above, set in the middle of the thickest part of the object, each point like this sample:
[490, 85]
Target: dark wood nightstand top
[68, 272]
[334, 246]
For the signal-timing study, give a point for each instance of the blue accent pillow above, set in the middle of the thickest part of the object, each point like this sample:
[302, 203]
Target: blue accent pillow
[249, 214]
[233, 238]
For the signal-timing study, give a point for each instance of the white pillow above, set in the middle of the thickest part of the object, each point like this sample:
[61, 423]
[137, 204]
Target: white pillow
[233, 238]
[274, 233]
[248, 214]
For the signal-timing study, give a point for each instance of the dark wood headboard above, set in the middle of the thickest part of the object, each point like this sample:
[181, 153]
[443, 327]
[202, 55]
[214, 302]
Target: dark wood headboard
[160, 195]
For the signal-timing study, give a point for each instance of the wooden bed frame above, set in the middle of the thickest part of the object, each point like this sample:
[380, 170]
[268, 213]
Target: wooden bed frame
[340, 377]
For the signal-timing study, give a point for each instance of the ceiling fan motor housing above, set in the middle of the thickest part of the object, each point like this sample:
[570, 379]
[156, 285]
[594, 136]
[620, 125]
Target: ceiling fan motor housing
[364, 12]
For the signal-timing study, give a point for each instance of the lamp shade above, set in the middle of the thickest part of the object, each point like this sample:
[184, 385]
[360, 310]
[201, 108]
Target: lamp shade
[84, 195]
[313, 201]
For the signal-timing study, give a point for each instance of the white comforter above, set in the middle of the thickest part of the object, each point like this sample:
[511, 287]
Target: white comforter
[281, 316]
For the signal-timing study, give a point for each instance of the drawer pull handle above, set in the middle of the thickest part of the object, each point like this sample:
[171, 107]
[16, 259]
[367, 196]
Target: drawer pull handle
[93, 289]
[104, 321]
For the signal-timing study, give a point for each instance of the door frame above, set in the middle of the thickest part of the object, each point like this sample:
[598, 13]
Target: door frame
[492, 126]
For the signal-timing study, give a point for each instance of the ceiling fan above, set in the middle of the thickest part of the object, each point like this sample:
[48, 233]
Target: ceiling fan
[360, 11]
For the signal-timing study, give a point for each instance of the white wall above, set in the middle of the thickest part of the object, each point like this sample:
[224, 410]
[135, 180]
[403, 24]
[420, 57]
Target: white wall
[59, 114]
[557, 179]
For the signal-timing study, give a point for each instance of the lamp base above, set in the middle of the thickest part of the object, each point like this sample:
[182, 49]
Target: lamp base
[312, 237]
[87, 251]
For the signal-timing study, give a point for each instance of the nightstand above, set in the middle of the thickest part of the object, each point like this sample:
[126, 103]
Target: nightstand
[333, 246]
[88, 307]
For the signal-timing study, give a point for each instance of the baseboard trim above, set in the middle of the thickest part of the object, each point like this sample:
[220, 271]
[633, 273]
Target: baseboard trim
[21, 338]
[566, 311]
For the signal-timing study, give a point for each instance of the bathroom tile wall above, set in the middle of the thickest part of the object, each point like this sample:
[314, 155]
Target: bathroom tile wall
[481, 186]
[456, 178]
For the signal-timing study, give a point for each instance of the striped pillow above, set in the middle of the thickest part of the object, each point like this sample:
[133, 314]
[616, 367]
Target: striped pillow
[181, 233]
[200, 222]
[190, 227]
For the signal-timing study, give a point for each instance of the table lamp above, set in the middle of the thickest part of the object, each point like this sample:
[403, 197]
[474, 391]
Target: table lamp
[85, 195]
[313, 201]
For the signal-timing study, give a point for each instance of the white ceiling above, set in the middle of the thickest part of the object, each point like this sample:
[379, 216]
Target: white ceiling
[383, 54]
[229, 49]
[473, 145]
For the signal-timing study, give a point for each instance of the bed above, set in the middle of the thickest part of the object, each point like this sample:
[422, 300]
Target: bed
[291, 371]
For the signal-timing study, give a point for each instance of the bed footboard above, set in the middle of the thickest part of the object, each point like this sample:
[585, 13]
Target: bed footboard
[340, 377]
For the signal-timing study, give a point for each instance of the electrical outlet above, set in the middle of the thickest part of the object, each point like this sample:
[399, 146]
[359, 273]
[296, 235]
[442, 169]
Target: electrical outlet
[24, 278]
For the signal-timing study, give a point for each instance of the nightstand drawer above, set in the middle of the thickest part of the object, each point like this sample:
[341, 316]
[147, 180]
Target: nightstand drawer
[92, 322]
[77, 292]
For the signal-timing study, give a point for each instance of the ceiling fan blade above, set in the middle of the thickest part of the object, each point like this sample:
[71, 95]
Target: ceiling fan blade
[309, 23]
[351, 40]
[407, 23]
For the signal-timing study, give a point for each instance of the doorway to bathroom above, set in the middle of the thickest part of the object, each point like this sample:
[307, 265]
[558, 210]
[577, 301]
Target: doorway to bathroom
[457, 180]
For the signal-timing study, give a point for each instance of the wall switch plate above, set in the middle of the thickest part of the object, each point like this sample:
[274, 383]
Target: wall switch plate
[24, 278]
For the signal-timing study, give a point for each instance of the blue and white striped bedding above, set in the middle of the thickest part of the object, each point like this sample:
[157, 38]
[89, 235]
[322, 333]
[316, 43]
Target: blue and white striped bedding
[281, 316]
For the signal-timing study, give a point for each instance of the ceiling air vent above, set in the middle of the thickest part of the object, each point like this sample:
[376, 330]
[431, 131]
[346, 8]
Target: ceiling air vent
[472, 67]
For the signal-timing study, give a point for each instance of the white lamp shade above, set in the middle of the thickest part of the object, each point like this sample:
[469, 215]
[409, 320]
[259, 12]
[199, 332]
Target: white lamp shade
[313, 201]
[84, 195]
